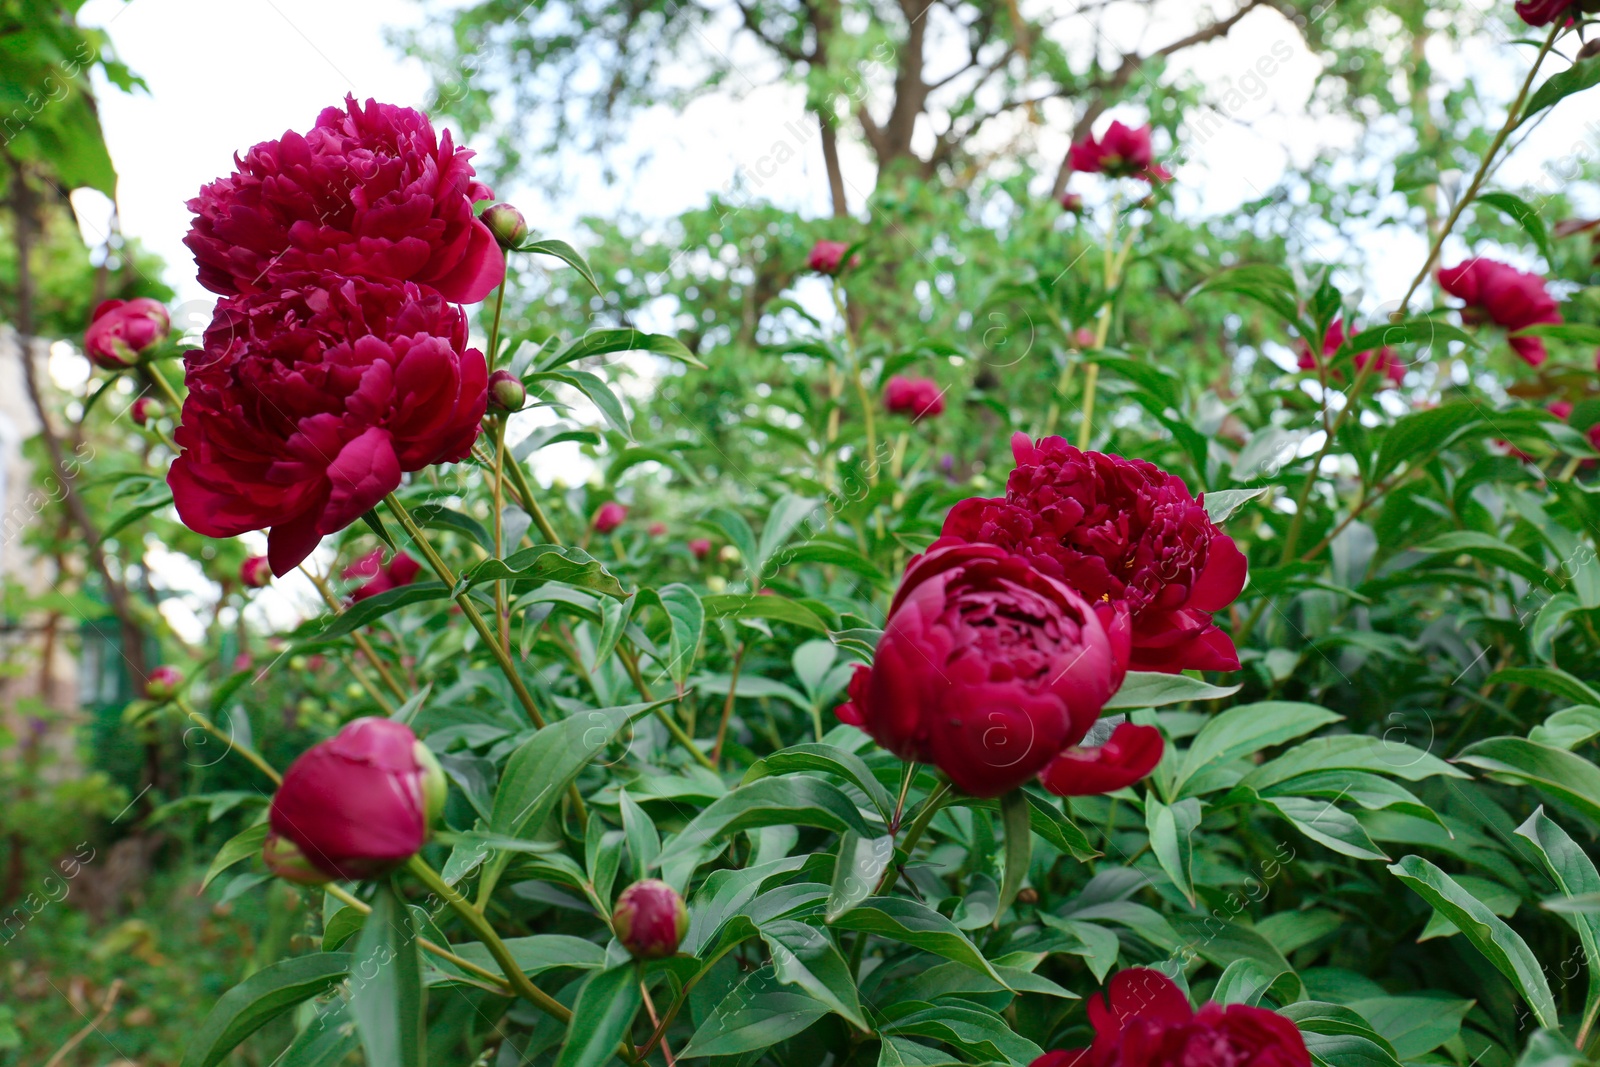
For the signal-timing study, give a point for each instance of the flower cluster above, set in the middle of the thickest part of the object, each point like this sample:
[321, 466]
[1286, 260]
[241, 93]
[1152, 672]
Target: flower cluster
[337, 359]
[1007, 638]
[919, 398]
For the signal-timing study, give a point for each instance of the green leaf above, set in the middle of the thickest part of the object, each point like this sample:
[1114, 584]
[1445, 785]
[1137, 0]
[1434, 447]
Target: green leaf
[1490, 551]
[1575, 875]
[1336, 1036]
[733, 526]
[686, 616]
[1324, 823]
[1424, 331]
[919, 926]
[793, 801]
[328, 1041]
[1420, 433]
[1554, 770]
[644, 842]
[833, 760]
[978, 1032]
[538, 953]
[858, 867]
[1351, 752]
[1525, 216]
[1219, 941]
[241, 846]
[1575, 79]
[805, 956]
[830, 552]
[1268, 285]
[1245, 981]
[1414, 1025]
[1221, 504]
[602, 1016]
[567, 254]
[439, 517]
[1016, 817]
[365, 612]
[782, 521]
[763, 606]
[759, 1013]
[1171, 830]
[1568, 728]
[598, 392]
[374, 523]
[386, 997]
[607, 341]
[544, 563]
[1247, 729]
[1152, 689]
[1551, 680]
[1581, 333]
[1500, 944]
[259, 999]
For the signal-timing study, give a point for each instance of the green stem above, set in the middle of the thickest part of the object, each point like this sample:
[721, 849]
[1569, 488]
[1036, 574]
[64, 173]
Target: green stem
[914, 832]
[361, 642]
[861, 387]
[240, 747]
[338, 893]
[631, 663]
[166, 390]
[727, 705]
[530, 505]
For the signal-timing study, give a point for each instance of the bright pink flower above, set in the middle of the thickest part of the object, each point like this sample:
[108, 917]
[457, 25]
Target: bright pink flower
[1144, 1020]
[1544, 12]
[162, 683]
[369, 191]
[650, 919]
[827, 257]
[255, 572]
[1561, 409]
[306, 405]
[656, 529]
[988, 670]
[1124, 152]
[700, 547]
[120, 331]
[359, 804]
[1117, 530]
[402, 570]
[609, 517]
[1072, 203]
[1505, 296]
[919, 398]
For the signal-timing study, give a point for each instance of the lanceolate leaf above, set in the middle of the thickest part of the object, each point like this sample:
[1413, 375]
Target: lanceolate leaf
[1558, 772]
[1146, 689]
[602, 1016]
[1575, 875]
[386, 997]
[806, 957]
[1015, 815]
[259, 999]
[917, 925]
[544, 563]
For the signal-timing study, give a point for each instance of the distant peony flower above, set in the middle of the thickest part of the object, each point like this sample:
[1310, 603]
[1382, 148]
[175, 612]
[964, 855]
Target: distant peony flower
[369, 191]
[1561, 409]
[1124, 152]
[306, 405]
[402, 570]
[120, 331]
[609, 517]
[827, 257]
[700, 548]
[1072, 203]
[1506, 296]
[988, 670]
[1121, 531]
[919, 398]
[1544, 12]
[143, 409]
[1389, 366]
[1144, 1020]
[255, 572]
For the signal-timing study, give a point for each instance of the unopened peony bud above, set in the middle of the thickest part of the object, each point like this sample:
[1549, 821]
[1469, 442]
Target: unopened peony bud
[1072, 203]
[609, 517]
[650, 919]
[123, 330]
[700, 547]
[163, 682]
[506, 392]
[255, 572]
[359, 804]
[284, 859]
[657, 529]
[143, 410]
[507, 225]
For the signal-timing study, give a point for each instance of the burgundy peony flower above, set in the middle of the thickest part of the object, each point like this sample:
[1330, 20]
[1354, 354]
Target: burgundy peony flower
[1130, 753]
[1144, 1020]
[359, 804]
[650, 920]
[1506, 296]
[402, 570]
[1544, 12]
[307, 403]
[919, 398]
[827, 257]
[987, 669]
[255, 572]
[1124, 152]
[609, 517]
[120, 331]
[1389, 366]
[1118, 530]
[369, 191]
[700, 547]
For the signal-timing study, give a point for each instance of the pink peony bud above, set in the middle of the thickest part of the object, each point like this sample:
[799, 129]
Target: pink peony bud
[506, 223]
[143, 410]
[121, 331]
[255, 572]
[827, 257]
[359, 804]
[700, 547]
[1072, 203]
[919, 398]
[650, 919]
[162, 683]
[506, 392]
[657, 529]
[609, 517]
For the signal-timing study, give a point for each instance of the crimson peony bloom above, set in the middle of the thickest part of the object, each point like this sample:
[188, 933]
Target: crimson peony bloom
[120, 331]
[1544, 12]
[1124, 152]
[1144, 1020]
[609, 517]
[919, 398]
[827, 257]
[1506, 296]
[650, 920]
[1561, 409]
[359, 804]
[402, 570]
[700, 547]
[988, 670]
[369, 191]
[1389, 366]
[1118, 530]
[306, 404]
[255, 572]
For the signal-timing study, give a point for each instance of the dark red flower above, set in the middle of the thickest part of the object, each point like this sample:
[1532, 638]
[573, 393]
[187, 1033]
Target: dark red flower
[827, 257]
[700, 547]
[1389, 366]
[919, 398]
[1130, 753]
[1144, 1020]
[1072, 203]
[120, 331]
[369, 191]
[1505, 296]
[1544, 12]
[650, 919]
[609, 517]
[255, 572]
[306, 405]
[143, 409]
[402, 570]
[987, 668]
[1121, 531]
[359, 804]
[1124, 152]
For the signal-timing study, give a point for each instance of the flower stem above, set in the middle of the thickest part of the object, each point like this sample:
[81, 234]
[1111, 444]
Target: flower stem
[342, 896]
[491, 940]
[361, 641]
[166, 390]
[468, 608]
[727, 706]
[233, 744]
[914, 832]
[531, 505]
[861, 387]
[631, 663]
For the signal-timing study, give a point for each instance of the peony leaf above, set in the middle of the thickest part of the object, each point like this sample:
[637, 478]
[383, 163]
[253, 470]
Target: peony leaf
[1152, 689]
[1575, 875]
[544, 563]
[439, 517]
[1555, 771]
[1247, 729]
[607, 341]
[686, 617]
[821, 757]
[919, 926]
[1015, 816]
[1559, 86]
[772, 607]
[759, 1013]
[241, 846]
[1526, 217]
[259, 999]
[365, 612]
[805, 956]
[567, 254]
[857, 868]
[386, 994]
[1171, 832]
[602, 1016]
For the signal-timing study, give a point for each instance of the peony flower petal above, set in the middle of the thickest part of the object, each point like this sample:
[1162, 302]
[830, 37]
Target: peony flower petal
[364, 472]
[1223, 578]
[1128, 755]
[482, 267]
